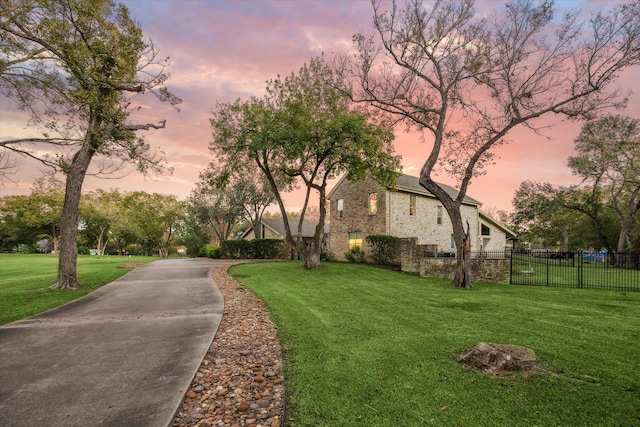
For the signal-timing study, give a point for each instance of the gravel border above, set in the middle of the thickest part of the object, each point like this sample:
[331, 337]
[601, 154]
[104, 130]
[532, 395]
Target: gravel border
[240, 380]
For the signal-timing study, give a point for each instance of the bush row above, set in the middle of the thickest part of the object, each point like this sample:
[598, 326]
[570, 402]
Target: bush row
[248, 249]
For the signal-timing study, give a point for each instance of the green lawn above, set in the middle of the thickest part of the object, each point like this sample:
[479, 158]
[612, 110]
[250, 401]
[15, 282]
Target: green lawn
[371, 347]
[24, 281]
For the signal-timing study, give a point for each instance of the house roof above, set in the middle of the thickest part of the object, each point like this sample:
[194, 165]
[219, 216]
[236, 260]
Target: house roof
[411, 184]
[503, 227]
[277, 226]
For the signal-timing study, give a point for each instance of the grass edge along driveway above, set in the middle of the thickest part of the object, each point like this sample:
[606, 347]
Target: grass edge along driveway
[371, 347]
[25, 278]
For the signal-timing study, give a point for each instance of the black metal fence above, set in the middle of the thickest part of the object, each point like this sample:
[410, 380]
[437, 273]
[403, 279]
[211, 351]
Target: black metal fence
[474, 254]
[582, 269]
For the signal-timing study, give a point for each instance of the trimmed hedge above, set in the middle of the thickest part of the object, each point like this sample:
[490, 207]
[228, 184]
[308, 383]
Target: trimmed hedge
[385, 249]
[253, 249]
[235, 249]
[269, 248]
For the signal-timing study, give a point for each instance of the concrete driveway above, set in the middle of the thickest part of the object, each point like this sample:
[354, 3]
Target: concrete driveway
[123, 355]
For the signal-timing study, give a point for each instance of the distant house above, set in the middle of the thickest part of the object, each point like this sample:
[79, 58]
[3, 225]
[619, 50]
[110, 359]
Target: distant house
[274, 229]
[364, 208]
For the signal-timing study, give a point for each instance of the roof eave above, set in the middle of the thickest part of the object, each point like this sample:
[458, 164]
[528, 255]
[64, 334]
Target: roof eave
[426, 193]
[506, 229]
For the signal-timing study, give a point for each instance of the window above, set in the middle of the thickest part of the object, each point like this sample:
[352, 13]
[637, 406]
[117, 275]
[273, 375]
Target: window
[355, 239]
[439, 215]
[485, 230]
[412, 204]
[453, 242]
[340, 207]
[485, 242]
[373, 204]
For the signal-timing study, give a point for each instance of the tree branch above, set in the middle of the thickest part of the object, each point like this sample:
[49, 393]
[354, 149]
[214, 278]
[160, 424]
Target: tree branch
[147, 126]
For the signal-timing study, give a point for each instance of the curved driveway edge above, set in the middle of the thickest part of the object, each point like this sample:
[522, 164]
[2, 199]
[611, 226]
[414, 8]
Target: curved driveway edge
[123, 355]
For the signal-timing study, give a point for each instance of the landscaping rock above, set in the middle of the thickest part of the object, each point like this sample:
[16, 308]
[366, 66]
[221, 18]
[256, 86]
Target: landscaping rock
[240, 381]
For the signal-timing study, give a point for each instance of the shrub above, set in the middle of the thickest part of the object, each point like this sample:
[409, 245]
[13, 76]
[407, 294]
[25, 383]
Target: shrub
[213, 251]
[21, 248]
[385, 249]
[268, 248]
[236, 249]
[355, 254]
[253, 249]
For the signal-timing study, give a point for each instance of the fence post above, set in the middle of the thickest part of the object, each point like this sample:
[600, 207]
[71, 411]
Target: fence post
[580, 264]
[511, 267]
[547, 267]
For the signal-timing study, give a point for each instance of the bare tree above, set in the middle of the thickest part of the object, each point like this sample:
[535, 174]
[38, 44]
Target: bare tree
[467, 81]
[73, 65]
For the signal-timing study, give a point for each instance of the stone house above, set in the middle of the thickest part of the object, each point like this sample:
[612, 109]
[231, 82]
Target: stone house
[358, 209]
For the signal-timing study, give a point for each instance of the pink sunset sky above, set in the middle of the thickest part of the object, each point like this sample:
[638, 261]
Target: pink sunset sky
[222, 50]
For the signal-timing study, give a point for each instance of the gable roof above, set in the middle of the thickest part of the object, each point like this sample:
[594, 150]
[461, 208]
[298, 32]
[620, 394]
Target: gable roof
[504, 228]
[277, 226]
[411, 184]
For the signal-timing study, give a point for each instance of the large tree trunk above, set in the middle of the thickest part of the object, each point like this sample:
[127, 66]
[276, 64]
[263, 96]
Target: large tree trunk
[314, 250]
[311, 258]
[68, 259]
[462, 239]
[462, 277]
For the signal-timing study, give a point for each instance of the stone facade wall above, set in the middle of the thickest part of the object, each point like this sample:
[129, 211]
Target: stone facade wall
[412, 253]
[424, 224]
[491, 270]
[482, 269]
[409, 255]
[355, 215]
[414, 261]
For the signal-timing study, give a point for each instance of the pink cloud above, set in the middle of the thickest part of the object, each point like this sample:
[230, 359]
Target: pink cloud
[221, 50]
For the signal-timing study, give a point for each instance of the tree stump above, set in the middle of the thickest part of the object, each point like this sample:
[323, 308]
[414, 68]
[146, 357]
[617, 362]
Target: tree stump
[499, 359]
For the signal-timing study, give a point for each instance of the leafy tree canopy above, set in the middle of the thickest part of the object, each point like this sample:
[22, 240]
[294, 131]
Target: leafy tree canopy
[74, 66]
[304, 132]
